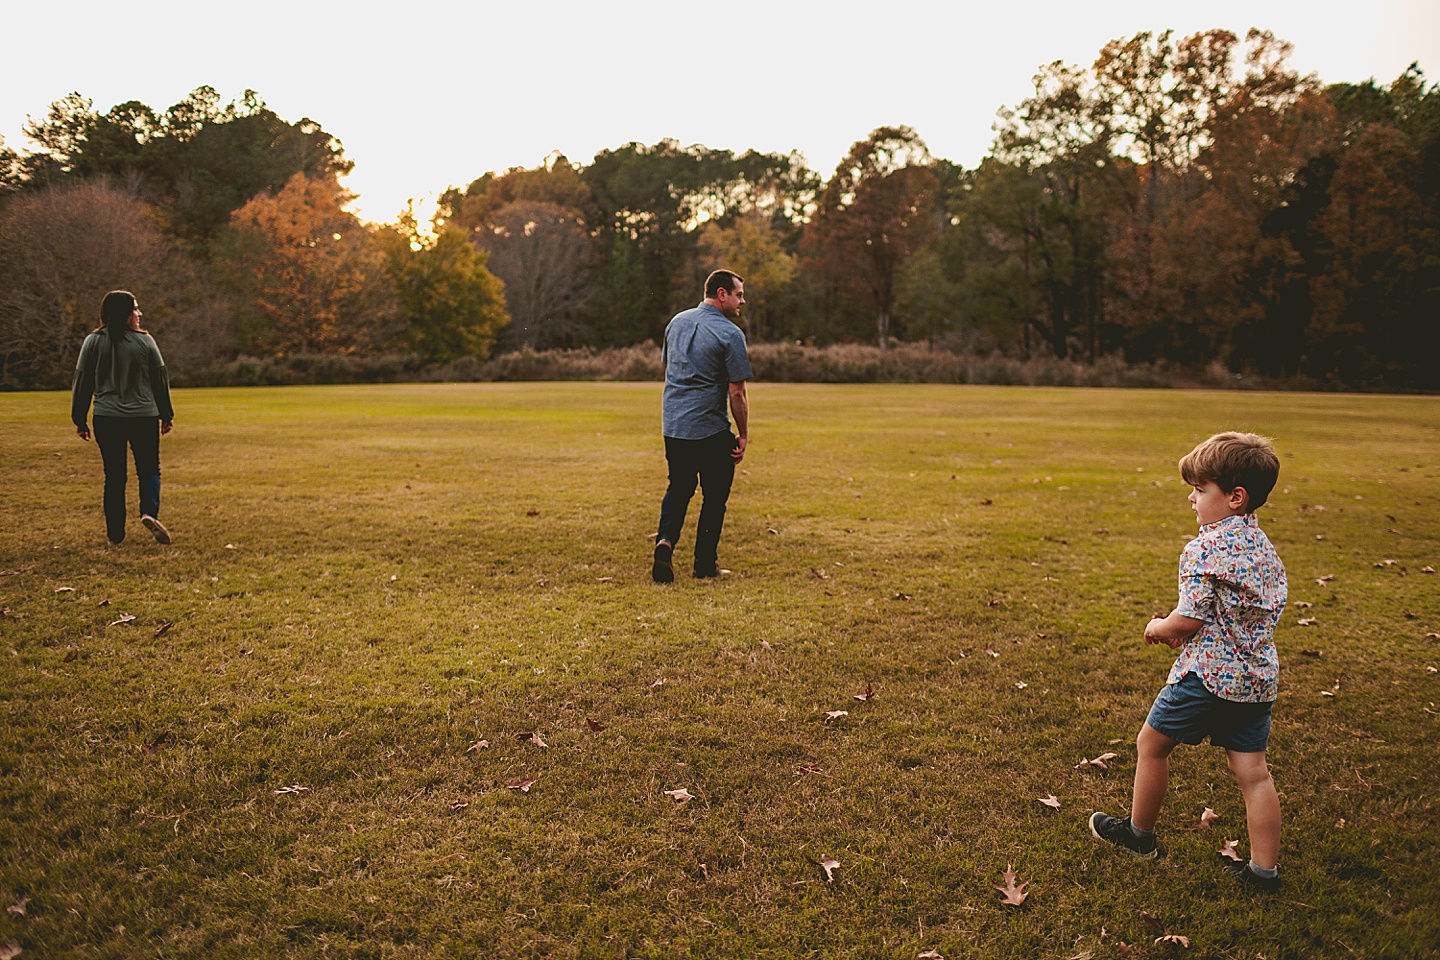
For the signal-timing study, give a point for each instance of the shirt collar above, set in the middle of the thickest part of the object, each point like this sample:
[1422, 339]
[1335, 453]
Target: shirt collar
[1240, 520]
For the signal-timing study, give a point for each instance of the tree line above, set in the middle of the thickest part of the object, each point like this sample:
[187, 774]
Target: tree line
[1189, 201]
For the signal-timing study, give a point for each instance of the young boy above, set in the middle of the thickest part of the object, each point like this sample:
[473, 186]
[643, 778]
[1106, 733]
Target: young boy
[1232, 592]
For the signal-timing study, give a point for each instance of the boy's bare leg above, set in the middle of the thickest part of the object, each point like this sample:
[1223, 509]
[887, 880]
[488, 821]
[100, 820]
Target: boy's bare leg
[1152, 776]
[1262, 805]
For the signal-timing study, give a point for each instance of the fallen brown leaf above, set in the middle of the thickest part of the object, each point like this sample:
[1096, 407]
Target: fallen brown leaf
[532, 513]
[1306, 621]
[534, 738]
[680, 795]
[819, 573]
[1229, 849]
[659, 683]
[70, 655]
[1208, 818]
[1051, 801]
[869, 692]
[459, 805]
[1427, 569]
[478, 745]
[1014, 895]
[18, 907]
[836, 714]
[1310, 653]
[829, 865]
[1324, 579]
[595, 725]
[766, 644]
[161, 630]
[1303, 604]
[1125, 950]
[1152, 922]
[1099, 762]
[293, 788]
[902, 596]
[124, 618]
[9, 950]
[992, 653]
[604, 579]
[64, 589]
[930, 955]
[522, 785]
[1174, 938]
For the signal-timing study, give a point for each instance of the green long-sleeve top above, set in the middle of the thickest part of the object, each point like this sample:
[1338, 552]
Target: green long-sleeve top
[126, 377]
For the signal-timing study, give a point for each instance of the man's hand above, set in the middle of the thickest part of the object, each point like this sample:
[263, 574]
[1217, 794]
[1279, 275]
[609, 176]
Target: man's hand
[82, 431]
[737, 453]
[166, 427]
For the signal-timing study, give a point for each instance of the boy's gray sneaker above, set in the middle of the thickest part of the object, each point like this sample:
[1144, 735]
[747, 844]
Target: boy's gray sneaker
[1240, 870]
[156, 527]
[1119, 832]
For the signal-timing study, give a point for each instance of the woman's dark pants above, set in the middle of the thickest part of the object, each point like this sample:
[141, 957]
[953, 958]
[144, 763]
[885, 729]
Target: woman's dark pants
[141, 435]
[708, 460]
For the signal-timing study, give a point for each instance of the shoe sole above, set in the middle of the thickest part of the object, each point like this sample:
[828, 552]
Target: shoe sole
[662, 571]
[156, 527]
[1155, 854]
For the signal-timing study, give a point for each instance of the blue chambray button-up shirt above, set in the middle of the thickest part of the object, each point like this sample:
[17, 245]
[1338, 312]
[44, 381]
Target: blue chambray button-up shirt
[704, 353]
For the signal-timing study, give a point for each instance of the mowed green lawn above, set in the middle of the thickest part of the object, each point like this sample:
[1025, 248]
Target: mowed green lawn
[368, 585]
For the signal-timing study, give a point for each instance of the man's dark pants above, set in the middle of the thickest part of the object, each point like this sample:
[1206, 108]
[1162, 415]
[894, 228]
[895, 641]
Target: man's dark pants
[708, 460]
[142, 435]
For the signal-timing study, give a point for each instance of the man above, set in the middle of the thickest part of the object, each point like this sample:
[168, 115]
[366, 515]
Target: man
[705, 362]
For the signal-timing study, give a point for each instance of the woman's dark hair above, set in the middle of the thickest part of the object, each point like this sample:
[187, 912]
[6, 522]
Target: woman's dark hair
[115, 312]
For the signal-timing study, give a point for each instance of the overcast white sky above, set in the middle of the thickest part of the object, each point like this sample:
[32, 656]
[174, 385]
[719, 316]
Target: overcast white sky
[429, 93]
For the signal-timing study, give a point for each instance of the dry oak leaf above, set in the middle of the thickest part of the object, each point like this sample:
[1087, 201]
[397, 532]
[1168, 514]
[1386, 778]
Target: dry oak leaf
[532, 513]
[930, 955]
[1229, 850]
[124, 618]
[680, 795]
[18, 907]
[1303, 604]
[522, 785]
[766, 644]
[1152, 922]
[1310, 653]
[1325, 579]
[1014, 895]
[478, 745]
[1306, 621]
[1124, 949]
[659, 683]
[1427, 569]
[534, 738]
[836, 714]
[992, 653]
[1099, 762]
[1051, 801]
[293, 788]
[829, 865]
[595, 725]
[819, 573]
[869, 692]
[9, 950]
[1208, 818]
[1021, 684]
[70, 655]
[604, 579]
[161, 630]
[1174, 938]
[64, 589]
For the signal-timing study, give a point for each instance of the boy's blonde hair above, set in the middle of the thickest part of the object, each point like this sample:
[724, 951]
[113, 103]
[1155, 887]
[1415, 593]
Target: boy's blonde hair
[1231, 460]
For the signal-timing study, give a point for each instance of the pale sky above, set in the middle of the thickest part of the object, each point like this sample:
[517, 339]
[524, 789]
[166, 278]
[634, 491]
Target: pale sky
[429, 93]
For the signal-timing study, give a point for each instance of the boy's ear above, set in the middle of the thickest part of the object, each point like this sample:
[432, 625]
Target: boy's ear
[1239, 500]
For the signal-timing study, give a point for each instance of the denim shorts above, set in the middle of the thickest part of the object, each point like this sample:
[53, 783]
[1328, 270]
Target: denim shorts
[1187, 712]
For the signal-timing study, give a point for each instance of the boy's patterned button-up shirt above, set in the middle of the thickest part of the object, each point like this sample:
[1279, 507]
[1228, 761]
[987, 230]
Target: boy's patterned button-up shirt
[1231, 578]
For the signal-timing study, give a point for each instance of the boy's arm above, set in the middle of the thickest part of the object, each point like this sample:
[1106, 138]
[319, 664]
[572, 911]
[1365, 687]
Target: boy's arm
[1173, 630]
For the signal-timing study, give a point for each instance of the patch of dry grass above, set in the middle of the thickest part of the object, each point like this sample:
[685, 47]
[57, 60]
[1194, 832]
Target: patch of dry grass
[360, 595]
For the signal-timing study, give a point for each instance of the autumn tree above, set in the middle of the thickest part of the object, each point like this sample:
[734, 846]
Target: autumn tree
[546, 260]
[875, 211]
[450, 305]
[753, 248]
[308, 276]
[197, 161]
[61, 249]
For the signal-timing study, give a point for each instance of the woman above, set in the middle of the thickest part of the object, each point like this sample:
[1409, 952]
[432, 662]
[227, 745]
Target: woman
[121, 367]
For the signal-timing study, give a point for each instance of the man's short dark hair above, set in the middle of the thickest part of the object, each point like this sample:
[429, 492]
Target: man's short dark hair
[721, 280]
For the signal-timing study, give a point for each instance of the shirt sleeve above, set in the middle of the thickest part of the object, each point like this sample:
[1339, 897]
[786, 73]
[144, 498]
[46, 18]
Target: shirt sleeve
[1197, 582]
[737, 358]
[82, 387]
[160, 383]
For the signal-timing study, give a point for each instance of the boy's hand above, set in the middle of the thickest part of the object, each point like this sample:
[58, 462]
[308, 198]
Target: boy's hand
[1172, 631]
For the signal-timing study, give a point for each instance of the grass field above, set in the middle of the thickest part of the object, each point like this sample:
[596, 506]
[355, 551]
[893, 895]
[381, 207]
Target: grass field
[369, 584]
